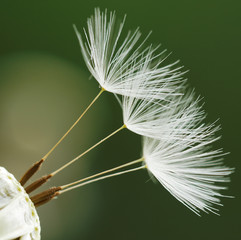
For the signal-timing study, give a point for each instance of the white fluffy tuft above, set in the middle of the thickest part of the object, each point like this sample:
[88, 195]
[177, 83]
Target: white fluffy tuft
[117, 65]
[191, 173]
[171, 118]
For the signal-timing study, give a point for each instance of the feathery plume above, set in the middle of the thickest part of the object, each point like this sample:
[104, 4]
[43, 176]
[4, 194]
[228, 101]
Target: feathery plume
[189, 173]
[174, 117]
[116, 66]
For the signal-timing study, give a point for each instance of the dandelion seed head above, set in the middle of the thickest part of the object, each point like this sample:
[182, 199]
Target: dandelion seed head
[18, 216]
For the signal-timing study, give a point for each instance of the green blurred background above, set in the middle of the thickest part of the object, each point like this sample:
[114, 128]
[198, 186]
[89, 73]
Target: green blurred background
[44, 85]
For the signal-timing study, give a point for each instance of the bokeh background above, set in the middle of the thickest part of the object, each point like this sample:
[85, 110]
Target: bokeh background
[44, 86]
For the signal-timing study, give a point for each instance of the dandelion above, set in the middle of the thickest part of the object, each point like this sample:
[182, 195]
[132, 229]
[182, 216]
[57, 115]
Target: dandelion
[176, 143]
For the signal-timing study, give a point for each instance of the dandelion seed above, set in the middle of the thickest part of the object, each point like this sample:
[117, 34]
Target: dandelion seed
[182, 160]
[192, 173]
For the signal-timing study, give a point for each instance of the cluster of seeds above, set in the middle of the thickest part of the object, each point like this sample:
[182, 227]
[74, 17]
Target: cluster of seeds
[18, 216]
[157, 105]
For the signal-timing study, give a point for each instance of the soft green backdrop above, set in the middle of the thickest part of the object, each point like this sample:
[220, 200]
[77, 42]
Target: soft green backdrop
[44, 85]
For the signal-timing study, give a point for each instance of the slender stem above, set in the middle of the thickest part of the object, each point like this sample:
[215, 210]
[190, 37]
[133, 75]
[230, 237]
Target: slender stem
[62, 138]
[82, 154]
[101, 173]
[101, 178]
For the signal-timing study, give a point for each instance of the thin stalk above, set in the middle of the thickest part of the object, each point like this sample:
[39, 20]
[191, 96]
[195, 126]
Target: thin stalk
[62, 138]
[102, 173]
[88, 150]
[101, 178]
[32, 170]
